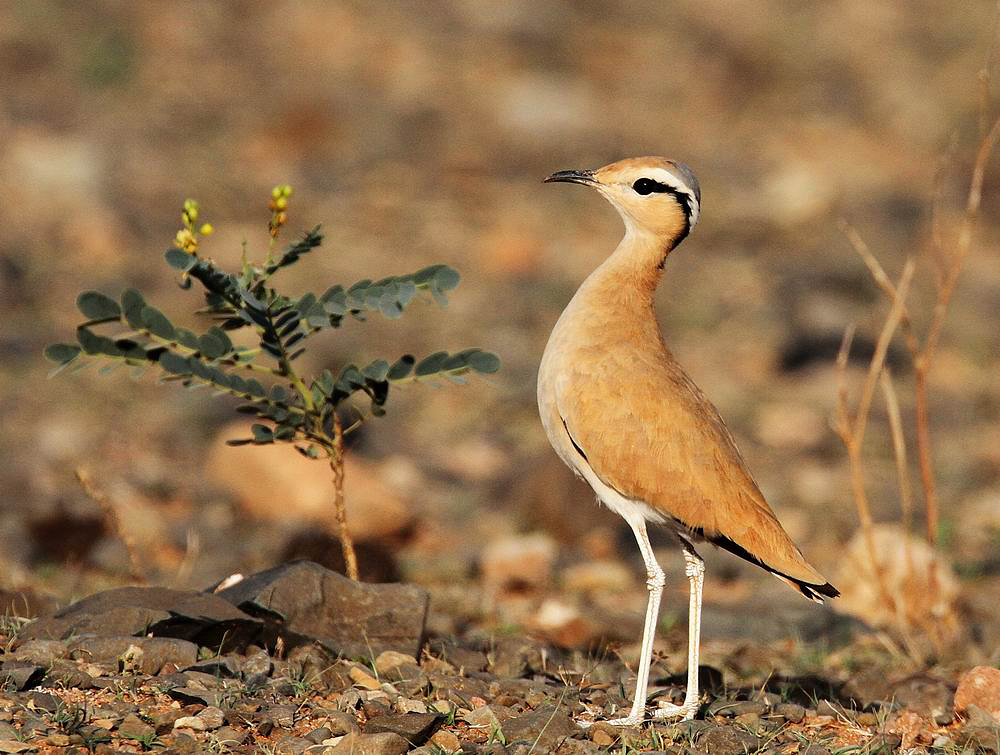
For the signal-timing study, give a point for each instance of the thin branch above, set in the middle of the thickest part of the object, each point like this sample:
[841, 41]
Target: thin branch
[902, 469]
[881, 348]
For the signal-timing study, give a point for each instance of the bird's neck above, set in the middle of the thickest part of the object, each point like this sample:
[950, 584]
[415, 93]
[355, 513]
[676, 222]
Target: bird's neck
[633, 270]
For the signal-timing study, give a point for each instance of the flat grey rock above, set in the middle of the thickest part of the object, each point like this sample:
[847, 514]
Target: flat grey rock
[153, 653]
[20, 675]
[201, 618]
[305, 601]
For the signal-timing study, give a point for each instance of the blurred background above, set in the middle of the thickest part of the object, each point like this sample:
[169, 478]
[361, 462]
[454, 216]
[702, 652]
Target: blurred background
[418, 133]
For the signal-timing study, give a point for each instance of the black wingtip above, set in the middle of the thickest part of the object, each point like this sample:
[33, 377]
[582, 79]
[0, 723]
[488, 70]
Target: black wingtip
[816, 592]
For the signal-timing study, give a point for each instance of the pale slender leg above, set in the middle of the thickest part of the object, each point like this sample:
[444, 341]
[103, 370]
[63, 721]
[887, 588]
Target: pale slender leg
[694, 567]
[654, 583]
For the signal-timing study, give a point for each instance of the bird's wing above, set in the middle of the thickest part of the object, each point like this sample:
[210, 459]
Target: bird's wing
[650, 434]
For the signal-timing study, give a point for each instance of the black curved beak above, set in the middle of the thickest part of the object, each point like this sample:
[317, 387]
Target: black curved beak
[585, 177]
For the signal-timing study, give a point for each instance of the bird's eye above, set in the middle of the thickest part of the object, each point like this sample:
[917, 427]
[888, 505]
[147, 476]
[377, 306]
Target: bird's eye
[646, 186]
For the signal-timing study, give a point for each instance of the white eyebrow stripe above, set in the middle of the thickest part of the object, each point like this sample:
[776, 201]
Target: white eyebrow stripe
[666, 177]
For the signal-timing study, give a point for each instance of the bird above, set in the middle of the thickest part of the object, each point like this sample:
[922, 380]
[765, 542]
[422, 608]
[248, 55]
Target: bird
[624, 415]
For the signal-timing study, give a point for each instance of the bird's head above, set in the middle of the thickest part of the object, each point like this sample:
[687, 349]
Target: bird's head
[652, 194]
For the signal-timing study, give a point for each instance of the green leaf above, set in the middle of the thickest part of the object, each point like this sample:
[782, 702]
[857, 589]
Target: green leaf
[132, 304]
[96, 306]
[446, 277]
[157, 323]
[377, 370]
[239, 442]
[211, 346]
[62, 353]
[92, 343]
[401, 368]
[484, 361]
[179, 259]
[430, 365]
[175, 364]
[262, 434]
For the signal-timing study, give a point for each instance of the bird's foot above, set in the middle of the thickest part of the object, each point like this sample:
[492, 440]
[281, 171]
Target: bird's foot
[632, 719]
[684, 711]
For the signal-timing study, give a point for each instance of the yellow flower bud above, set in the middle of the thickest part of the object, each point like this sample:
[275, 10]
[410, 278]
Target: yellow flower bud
[206, 229]
[276, 192]
[281, 203]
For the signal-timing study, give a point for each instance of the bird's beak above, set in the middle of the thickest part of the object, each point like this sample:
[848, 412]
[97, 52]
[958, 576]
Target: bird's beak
[585, 177]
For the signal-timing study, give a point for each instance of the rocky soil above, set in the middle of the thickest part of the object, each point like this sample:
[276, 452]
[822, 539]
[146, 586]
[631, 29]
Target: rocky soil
[299, 659]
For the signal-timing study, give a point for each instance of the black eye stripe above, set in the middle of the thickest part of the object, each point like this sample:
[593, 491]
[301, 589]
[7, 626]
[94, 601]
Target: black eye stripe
[649, 186]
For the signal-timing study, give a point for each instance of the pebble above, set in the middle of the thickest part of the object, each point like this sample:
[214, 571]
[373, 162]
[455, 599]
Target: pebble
[446, 741]
[212, 717]
[392, 659]
[979, 686]
[363, 679]
[190, 722]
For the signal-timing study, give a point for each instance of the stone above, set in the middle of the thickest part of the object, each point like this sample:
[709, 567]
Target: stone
[516, 562]
[258, 662]
[340, 722]
[190, 722]
[202, 696]
[733, 708]
[305, 601]
[223, 666]
[291, 745]
[67, 674]
[230, 736]
[201, 618]
[924, 694]
[20, 675]
[44, 701]
[979, 686]
[390, 660]
[727, 740]
[792, 712]
[316, 736]
[415, 728]
[146, 655]
[446, 740]
[134, 727]
[543, 728]
[884, 743]
[363, 679]
[515, 656]
[985, 739]
[43, 652]
[927, 587]
[261, 476]
[12, 745]
[385, 743]
[212, 717]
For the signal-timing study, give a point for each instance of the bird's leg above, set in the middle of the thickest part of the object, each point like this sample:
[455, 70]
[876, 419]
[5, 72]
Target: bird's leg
[694, 567]
[654, 583]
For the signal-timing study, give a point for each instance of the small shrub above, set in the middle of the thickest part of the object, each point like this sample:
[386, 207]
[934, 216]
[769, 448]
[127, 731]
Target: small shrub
[292, 407]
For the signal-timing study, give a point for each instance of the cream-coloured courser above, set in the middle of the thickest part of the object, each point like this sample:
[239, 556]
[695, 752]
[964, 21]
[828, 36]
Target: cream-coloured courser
[623, 414]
